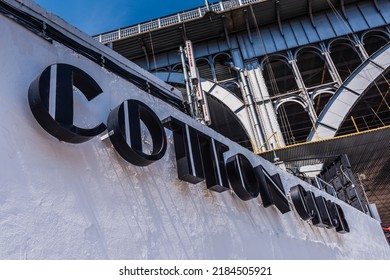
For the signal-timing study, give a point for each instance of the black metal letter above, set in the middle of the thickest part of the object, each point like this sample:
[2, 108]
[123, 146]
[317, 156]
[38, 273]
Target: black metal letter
[298, 196]
[124, 126]
[242, 177]
[187, 151]
[324, 212]
[213, 163]
[338, 219]
[61, 126]
[271, 190]
[198, 156]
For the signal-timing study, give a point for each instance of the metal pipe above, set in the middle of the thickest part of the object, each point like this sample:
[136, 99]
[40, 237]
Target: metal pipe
[251, 103]
[186, 80]
[365, 195]
[207, 5]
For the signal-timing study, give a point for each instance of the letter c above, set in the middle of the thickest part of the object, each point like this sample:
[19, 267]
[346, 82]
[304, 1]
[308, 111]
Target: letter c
[61, 125]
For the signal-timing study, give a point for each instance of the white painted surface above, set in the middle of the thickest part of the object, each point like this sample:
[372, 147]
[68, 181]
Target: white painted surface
[64, 201]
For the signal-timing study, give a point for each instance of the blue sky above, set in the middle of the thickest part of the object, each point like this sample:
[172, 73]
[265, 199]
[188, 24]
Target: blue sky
[97, 16]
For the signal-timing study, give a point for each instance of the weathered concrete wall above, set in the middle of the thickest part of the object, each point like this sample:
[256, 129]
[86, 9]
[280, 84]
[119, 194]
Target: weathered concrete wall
[64, 201]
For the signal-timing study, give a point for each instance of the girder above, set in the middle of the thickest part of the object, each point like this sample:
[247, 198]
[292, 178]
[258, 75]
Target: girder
[220, 93]
[347, 96]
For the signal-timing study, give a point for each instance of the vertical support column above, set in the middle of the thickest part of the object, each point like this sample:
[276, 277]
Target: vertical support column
[332, 68]
[248, 97]
[187, 82]
[211, 64]
[206, 2]
[265, 129]
[221, 5]
[298, 77]
[226, 32]
[236, 65]
[268, 118]
[362, 51]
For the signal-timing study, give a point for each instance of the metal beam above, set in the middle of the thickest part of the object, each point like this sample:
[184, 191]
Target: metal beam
[247, 26]
[377, 6]
[343, 9]
[226, 31]
[277, 8]
[183, 32]
[207, 5]
[310, 9]
[351, 92]
[143, 46]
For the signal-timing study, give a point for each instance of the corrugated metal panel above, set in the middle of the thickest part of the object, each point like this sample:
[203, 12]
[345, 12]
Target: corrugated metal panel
[278, 39]
[324, 27]
[310, 31]
[371, 14]
[289, 36]
[299, 32]
[340, 27]
[268, 42]
[213, 46]
[355, 19]
[241, 38]
[384, 7]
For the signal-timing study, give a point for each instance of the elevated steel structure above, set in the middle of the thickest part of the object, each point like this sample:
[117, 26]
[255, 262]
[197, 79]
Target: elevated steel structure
[315, 69]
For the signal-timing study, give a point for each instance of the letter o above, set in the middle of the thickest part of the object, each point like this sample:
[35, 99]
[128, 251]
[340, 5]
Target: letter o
[242, 177]
[298, 196]
[124, 126]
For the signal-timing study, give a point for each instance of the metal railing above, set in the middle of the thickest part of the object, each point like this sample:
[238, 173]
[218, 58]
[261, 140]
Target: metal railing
[171, 20]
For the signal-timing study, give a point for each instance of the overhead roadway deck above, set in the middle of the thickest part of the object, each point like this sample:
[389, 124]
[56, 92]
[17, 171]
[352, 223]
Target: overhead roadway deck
[199, 25]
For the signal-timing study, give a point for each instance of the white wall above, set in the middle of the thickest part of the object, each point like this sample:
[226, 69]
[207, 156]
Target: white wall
[64, 201]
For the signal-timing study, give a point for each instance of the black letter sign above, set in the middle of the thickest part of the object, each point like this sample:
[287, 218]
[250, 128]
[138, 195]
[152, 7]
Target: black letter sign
[321, 212]
[124, 126]
[271, 190]
[242, 177]
[61, 126]
[198, 156]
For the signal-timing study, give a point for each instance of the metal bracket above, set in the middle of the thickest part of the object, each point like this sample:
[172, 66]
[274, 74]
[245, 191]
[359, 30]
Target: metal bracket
[343, 9]
[143, 46]
[106, 135]
[377, 6]
[327, 126]
[377, 65]
[226, 31]
[310, 9]
[351, 91]
[277, 8]
[247, 26]
[183, 32]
